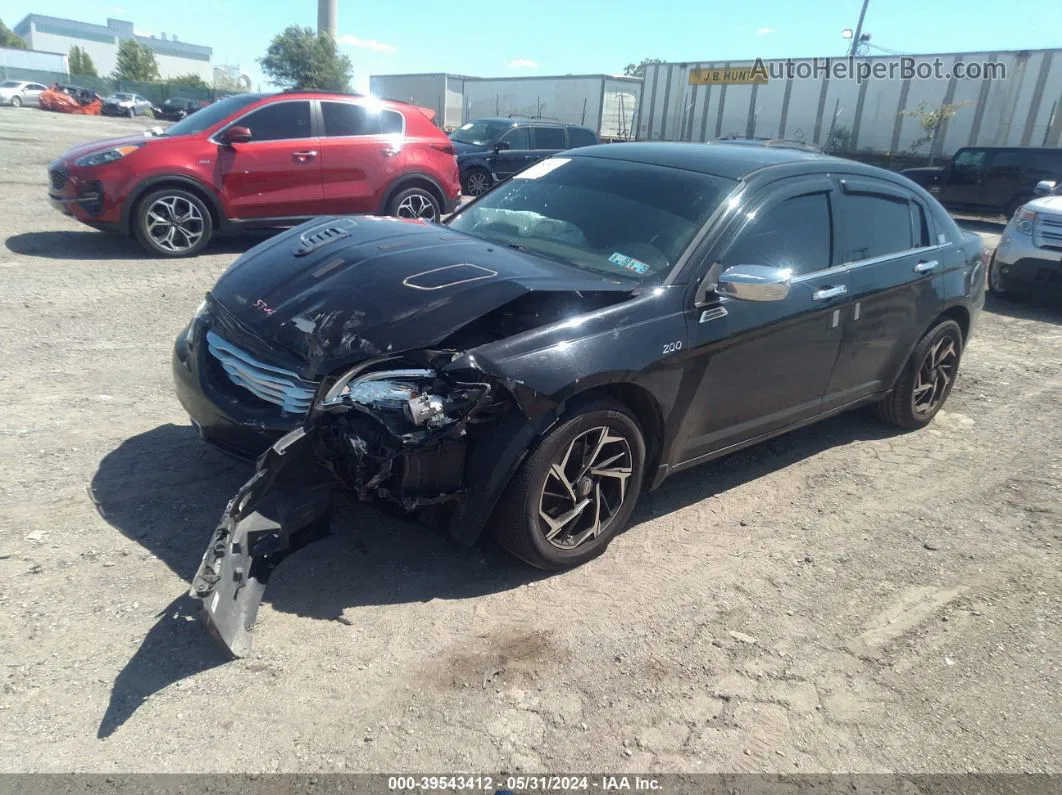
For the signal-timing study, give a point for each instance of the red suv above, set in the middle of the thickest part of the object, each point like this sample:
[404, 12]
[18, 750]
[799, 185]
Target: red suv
[260, 160]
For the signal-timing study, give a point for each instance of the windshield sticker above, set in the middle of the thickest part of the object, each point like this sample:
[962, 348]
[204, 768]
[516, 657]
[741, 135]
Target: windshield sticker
[542, 167]
[630, 263]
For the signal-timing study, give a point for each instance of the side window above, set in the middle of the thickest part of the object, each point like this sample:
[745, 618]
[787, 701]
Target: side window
[1005, 165]
[970, 161]
[580, 136]
[36, 87]
[518, 138]
[1046, 164]
[391, 122]
[875, 226]
[348, 118]
[549, 138]
[792, 234]
[921, 225]
[279, 121]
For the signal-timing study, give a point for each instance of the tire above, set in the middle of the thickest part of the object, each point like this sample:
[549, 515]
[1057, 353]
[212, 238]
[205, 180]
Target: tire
[518, 523]
[132, 112]
[900, 407]
[415, 203]
[997, 283]
[476, 181]
[16, 102]
[1014, 204]
[151, 222]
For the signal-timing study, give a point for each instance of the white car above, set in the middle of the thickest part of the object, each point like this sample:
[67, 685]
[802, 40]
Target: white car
[1029, 256]
[19, 92]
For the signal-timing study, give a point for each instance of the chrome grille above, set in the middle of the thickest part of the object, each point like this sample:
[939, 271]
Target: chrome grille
[265, 381]
[58, 178]
[1048, 231]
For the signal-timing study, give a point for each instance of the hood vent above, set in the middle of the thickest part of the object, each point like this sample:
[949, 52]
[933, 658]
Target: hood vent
[312, 240]
[448, 276]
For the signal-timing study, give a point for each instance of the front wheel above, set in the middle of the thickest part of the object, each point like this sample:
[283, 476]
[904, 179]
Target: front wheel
[16, 102]
[415, 203]
[173, 223]
[926, 380]
[997, 284]
[576, 490]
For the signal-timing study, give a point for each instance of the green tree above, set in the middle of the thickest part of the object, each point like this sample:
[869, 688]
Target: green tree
[931, 119]
[81, 62]
[190, 79]
[136, 62]
[638, 69]
[299, 58]
[8, 38]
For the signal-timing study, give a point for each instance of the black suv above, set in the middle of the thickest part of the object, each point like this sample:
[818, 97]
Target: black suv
[988, 178]
[567, 341]
[490, 150]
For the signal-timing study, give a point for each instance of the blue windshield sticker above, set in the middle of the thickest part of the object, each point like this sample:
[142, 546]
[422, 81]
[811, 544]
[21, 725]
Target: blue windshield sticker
[630, 263]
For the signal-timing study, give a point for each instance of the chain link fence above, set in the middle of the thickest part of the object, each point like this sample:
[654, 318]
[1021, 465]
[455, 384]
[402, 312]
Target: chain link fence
[157, 92]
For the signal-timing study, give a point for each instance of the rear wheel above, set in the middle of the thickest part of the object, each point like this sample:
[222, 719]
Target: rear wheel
[414, 203]
[926, 380]
[576, 490]
[476, 182]
[173, 223]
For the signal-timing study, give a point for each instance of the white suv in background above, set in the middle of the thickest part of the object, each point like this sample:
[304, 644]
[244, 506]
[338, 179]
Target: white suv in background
[1029, 256]
[18, 92]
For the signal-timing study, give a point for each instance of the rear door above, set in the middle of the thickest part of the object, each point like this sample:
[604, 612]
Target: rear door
[547, 140]
[761, 366]
[277, 174]
[515, 156]
[1003, 178]
[895, 282]
[362, 151]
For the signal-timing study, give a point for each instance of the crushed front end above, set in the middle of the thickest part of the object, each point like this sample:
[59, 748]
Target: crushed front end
[397, 435]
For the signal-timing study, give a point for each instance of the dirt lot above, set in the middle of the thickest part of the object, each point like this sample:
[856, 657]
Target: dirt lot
[841, 599]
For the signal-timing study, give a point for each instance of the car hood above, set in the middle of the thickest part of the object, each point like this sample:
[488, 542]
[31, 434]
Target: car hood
[102, 146]
[335, 291]
[1046, 204]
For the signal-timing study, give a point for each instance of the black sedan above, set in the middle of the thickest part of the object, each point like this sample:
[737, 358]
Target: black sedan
[606, 318]
[176, 108]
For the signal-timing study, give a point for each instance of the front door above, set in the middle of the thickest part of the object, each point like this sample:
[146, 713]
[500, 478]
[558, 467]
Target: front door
[31, 94]
[277, 174]
[963, 182]
[362, 151]
[515, 154]
[1003, 179]
[761, 366]
[895, 284]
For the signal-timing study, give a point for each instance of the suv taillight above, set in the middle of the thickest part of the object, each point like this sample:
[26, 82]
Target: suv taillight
[446, 149]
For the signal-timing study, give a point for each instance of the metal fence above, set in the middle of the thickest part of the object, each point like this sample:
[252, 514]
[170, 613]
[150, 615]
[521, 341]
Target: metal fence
[156, 92]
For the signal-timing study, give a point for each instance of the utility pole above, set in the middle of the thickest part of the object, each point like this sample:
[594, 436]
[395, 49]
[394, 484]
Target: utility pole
[859, 29]
[327, 17]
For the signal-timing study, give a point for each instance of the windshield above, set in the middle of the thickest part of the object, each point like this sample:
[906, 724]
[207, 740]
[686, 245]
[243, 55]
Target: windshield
[211, 115]
[479, 132]
[10, 84]
[608, 216]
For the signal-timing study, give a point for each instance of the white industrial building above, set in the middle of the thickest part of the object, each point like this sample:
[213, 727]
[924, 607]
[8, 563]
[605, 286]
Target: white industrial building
[606, 104]
[57, 35]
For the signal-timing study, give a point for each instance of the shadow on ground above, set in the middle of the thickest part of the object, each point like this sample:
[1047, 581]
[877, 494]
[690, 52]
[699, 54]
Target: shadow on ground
[92, 245]
[370, 559]
[1026, 307]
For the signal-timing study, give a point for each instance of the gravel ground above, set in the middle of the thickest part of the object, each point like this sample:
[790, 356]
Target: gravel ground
[844, 598]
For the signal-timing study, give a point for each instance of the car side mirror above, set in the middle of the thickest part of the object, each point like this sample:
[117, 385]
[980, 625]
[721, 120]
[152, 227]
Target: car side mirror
[236, 135]
[1044, 187]
[755, 283]
[500, 146]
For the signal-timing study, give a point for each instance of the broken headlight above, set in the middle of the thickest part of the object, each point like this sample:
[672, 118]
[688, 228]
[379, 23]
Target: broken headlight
[407, 391]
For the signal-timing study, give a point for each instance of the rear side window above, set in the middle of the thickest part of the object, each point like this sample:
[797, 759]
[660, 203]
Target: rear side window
[1005, 164]
[580, 136]
[549, 138]
[876, 226]
[348, 118]
[1046, 163]
[794, 234]
[279, 121]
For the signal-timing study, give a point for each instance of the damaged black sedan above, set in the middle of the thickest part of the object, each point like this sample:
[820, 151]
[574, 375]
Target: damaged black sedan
[604, 319]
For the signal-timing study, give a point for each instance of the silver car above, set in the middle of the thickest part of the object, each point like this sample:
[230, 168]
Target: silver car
[1029, 257]
[17, 93]
[125, 105]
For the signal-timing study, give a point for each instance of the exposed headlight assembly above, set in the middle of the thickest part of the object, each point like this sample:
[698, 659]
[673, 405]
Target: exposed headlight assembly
[411, 392]
[108, 156]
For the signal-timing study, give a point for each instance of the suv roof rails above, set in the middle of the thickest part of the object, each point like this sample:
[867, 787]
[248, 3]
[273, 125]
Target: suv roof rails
[539, 117]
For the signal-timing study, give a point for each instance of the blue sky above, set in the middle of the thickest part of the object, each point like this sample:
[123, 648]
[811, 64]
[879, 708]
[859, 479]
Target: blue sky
[544, 37]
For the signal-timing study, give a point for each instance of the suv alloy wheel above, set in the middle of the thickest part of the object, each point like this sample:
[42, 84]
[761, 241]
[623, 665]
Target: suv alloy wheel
[414, 203]
[173, 223]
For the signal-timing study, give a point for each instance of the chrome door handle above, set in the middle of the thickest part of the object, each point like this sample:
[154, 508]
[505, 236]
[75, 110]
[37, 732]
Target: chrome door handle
[926, 266]
[390, 151]
[829, 292]
[310, 153]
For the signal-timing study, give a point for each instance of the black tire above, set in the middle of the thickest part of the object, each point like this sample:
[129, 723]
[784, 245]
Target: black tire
[1014, 204]
[16, 102]
[184, 200]
[518, 525]
[997, 282]
[899, 406]
[476, 181]
[415, 203]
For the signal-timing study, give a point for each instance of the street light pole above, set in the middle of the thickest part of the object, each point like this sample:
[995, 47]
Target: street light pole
[859, 29]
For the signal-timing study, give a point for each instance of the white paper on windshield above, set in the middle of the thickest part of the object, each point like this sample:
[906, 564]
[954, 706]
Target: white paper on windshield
[542, 167]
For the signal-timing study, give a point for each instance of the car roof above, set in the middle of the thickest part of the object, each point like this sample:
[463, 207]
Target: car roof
[733, 161]
[528, 120]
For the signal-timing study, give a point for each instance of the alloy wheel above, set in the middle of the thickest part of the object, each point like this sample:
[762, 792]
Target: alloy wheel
[416, 205]
[174, 223]
[935, 376]
[478, 183]
[585, 489]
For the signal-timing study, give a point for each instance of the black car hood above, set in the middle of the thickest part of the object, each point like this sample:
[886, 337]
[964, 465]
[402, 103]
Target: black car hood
[335, 291]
